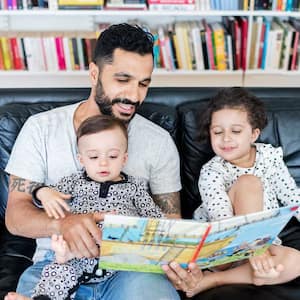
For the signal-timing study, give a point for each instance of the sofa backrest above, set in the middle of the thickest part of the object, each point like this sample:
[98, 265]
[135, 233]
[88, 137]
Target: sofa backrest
[283, 130]
[178, 114]
[14, 115]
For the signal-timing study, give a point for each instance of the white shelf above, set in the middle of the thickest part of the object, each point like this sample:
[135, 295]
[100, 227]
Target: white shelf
[197, 79]
[24, 79]
[259, 78]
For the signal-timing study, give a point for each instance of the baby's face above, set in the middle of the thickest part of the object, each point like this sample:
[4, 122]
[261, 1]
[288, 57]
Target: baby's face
[231, 136]
[103, 154]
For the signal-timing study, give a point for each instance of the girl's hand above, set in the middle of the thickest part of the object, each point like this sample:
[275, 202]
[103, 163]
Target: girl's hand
[53, 202]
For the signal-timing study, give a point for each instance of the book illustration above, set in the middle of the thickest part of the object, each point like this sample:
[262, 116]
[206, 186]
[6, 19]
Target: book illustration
[143, 244]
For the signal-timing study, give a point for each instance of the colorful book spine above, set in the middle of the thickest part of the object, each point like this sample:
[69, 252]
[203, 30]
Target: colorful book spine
[6, 52]
[60, 53]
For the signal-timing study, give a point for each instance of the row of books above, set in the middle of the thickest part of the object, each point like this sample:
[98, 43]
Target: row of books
[198, 45]
[275, 44]
[201, 45]
[23, 4]
[278, 5]
[204, 5]
[48, 53]
[172, 5]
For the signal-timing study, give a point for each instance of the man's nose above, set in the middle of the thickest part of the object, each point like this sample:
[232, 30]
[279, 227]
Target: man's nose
[133, 93]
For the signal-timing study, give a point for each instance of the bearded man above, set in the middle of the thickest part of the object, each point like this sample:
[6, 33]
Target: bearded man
[45, 151]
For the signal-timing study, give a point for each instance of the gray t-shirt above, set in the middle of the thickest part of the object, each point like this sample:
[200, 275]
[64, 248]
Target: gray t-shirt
[46, 150]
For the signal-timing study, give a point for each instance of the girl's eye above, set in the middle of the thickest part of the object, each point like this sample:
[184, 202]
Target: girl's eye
[113, 157]
[236, 131]
[93, 157]
[218, 132]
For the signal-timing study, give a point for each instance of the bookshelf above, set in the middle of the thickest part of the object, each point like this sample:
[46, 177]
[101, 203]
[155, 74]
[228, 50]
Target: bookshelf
[47, 21]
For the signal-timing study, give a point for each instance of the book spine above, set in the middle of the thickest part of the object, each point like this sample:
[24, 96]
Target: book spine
[6, 52]
[17, 60]
[60, 53]
[67, 54]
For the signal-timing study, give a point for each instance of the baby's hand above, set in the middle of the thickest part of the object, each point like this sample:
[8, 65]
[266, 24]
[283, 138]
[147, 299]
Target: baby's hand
[264, 267]
[53, 202]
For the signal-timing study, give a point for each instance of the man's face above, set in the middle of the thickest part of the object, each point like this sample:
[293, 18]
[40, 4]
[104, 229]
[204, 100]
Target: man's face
[123, 85]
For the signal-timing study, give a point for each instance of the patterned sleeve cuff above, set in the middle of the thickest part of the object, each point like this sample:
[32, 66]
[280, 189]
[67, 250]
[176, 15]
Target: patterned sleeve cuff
[35, 200]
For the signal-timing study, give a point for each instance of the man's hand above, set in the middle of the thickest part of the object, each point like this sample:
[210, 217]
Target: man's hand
[82, 234]
[182, 279]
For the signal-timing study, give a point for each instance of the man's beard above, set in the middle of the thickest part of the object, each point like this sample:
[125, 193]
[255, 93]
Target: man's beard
[105, 104]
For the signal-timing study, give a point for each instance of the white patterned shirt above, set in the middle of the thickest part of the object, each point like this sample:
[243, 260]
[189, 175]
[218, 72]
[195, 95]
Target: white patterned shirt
[218, 175]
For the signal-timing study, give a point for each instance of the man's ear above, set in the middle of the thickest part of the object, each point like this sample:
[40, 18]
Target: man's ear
[255, 134]
[93, 73]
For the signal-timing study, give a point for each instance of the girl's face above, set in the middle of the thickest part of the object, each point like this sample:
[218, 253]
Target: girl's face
[231, 136]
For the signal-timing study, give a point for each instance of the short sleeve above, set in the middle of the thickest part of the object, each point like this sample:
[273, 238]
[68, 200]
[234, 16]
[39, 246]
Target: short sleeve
[27, 159]
[215, 201]
[144, 203]
[165, 175]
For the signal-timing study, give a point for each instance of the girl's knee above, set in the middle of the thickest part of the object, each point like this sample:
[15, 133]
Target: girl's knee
[249, 181]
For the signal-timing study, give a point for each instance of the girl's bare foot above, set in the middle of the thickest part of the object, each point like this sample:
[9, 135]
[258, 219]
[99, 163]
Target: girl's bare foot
[15, 296]
[264, 269]
[261, 277]
[61, 249]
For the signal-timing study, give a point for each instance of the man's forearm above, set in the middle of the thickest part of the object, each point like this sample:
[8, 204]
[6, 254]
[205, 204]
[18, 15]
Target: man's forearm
[22, 217]
[169, 204]
[26, 220]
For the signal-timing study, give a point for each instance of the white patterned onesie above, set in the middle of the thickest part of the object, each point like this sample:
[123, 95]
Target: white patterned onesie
[127, 197]
[217, 176]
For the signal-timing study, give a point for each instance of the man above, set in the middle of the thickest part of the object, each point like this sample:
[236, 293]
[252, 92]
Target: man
[46, 150]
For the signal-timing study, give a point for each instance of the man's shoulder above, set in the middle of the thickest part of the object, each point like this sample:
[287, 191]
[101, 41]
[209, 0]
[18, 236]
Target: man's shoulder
[55, 113]
[142, 125]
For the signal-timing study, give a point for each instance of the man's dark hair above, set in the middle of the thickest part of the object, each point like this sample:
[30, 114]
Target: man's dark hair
[123, 36]
[98, 124]
[236, 98]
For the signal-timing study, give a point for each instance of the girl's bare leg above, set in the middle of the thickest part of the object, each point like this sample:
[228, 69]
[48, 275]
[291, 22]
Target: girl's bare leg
[286, 266]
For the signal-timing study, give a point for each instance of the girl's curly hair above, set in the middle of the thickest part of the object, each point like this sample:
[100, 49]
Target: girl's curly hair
[236, 98]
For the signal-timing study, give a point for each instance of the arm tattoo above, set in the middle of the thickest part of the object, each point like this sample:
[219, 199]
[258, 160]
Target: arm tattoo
[22, 185]
[169, 202]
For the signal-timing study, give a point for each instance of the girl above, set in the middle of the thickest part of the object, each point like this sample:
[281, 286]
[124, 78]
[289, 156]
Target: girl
[244, 177]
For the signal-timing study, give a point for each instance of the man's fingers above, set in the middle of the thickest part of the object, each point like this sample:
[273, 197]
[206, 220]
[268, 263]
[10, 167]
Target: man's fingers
[99, 216]
[172, 276]
[64, 196]
[81, 234]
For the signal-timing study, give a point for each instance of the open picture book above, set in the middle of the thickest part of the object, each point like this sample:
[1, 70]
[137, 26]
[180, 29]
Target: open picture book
[144, 244]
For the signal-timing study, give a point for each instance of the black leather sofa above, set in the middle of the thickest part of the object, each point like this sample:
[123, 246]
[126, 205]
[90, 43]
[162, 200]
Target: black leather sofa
[176, 110]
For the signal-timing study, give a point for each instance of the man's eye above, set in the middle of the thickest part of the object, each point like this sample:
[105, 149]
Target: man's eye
[144, 85]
